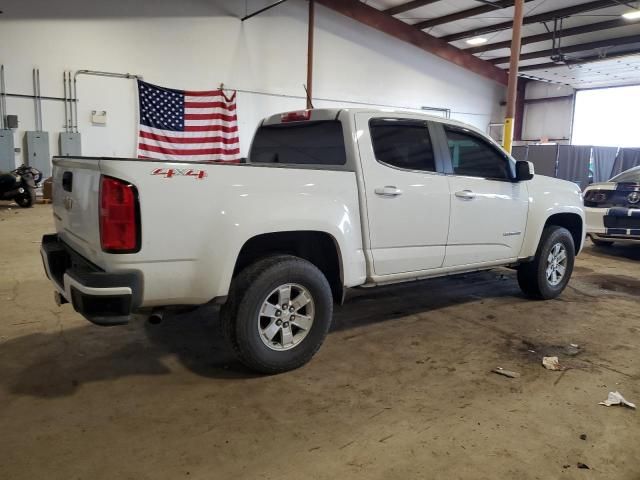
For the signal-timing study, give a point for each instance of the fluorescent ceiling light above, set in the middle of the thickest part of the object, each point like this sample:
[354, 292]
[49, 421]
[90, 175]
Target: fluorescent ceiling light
[632, 15]
[477, 41]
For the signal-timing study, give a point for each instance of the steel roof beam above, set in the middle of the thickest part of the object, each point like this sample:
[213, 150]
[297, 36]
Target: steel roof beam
[541, 17]
[471, 12]
[565, 32]
[408, 33]
[582, 47]
[405, 7]
[581, 61]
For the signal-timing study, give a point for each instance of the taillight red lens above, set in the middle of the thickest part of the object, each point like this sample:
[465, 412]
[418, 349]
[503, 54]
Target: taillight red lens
[118, 216]
[298, 116]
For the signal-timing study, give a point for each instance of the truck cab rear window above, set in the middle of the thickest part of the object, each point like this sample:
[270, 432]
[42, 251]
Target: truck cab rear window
[303, 143]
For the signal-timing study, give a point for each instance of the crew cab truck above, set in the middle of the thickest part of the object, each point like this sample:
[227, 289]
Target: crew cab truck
[329, 200]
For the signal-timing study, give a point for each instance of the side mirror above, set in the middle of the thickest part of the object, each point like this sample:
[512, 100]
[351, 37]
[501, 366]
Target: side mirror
[524, 171]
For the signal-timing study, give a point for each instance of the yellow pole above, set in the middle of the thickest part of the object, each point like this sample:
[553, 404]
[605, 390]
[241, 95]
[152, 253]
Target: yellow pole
[516, 41]
[507, 134]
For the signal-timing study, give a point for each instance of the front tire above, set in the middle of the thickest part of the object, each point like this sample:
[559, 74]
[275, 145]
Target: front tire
[278, 313]
[547, 275]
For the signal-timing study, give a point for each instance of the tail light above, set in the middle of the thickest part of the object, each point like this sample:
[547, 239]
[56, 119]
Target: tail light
[297, 116]
[119, 216]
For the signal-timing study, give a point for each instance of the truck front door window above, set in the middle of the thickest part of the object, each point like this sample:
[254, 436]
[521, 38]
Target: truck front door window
[473, 157]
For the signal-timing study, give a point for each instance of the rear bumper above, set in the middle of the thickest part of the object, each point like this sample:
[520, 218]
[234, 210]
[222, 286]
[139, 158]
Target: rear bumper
[101, 297]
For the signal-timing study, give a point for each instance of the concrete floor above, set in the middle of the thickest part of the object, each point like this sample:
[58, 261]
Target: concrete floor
[401, 388]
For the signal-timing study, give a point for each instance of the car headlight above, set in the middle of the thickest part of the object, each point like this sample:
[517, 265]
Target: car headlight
[598, 197]
[594, 198]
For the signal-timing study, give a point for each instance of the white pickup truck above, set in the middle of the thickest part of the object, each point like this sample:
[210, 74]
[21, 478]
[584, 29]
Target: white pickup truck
[329, 199]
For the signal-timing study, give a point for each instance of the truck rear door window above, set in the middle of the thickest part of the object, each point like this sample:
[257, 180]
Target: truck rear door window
[300, 143]
[402, 143]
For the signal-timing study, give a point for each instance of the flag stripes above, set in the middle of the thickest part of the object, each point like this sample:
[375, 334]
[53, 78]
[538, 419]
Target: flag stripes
[187, 125]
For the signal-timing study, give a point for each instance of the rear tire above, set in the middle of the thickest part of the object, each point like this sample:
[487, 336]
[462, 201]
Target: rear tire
[547, 275]
[266, 337]
[601, 243]
[25, 200]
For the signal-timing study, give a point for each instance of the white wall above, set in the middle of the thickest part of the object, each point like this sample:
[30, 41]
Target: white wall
[551, 120]
[196, 44]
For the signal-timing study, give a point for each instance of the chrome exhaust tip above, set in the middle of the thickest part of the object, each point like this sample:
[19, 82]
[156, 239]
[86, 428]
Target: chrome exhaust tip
[156, 317]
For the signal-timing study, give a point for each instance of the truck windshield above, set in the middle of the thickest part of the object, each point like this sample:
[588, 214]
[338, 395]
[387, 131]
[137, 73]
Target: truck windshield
[300, 143]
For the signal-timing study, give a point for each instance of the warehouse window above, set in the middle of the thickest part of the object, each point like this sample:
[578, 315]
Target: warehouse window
[402, 143]
[300, 143]
[474, 157]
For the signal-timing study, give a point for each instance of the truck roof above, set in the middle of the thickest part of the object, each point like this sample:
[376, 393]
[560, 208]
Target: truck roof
[319, 114]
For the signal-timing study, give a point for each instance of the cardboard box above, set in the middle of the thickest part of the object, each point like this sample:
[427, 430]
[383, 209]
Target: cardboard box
[47, 189]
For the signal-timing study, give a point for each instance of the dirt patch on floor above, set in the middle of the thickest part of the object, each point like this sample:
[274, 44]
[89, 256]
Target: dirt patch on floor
[614, 283]
[580, 270]
[570, 356]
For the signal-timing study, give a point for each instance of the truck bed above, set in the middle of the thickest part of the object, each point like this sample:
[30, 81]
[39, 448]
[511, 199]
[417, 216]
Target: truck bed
[195, 217]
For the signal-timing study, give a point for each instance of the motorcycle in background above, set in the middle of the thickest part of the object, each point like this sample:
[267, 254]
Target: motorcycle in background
[20, 185]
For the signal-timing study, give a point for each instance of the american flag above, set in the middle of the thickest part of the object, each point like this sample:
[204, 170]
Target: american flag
[187, 125]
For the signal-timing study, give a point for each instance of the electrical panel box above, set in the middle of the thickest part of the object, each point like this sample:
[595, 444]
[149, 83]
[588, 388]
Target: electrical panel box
[37, 152]
[12, 121]
[70, 145]
[7, 152]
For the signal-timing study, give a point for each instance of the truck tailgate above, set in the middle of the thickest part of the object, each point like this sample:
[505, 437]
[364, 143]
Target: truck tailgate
[76, 185]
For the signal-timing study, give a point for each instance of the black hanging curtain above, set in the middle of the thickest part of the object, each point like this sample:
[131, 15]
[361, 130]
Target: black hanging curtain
[627, 158]
[544, 158]
[573, 164]
[603, 160]
[519, 152]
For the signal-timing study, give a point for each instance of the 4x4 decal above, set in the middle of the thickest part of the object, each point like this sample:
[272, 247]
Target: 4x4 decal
[179, 172]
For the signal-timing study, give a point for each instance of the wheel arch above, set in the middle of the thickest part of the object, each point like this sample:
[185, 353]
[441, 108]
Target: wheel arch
[572, 222]
[319, 248]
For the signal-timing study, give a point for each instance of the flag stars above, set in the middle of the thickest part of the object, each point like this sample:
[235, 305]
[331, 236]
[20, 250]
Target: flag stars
[160, 108]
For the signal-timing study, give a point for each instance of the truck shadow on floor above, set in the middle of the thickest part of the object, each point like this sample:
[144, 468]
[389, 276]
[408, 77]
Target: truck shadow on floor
[57, 364]
[6, 204]
[620, 251]
[7, 207]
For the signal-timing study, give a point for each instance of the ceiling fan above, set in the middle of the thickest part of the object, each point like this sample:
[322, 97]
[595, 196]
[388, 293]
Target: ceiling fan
[557, 55]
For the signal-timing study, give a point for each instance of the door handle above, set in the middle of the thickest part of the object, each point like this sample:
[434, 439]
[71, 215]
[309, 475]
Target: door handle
[388, 191]
[67, 181]
[466, 195]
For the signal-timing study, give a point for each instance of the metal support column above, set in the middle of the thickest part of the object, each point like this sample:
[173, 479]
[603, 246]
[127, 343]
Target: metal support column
[520, 102]
[507, 138]
[310, 54]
